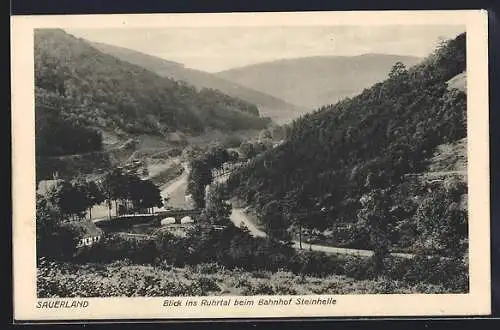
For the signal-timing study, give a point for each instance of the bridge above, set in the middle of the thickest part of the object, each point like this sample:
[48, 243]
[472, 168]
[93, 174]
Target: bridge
[132, 219]
[178, 214]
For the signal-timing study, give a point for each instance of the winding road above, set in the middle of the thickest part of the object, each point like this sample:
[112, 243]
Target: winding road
[173, 185]
[239, 217]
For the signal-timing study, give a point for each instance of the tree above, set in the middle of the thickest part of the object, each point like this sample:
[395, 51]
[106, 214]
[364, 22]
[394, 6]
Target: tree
[247, 149]
[398, 70]
[107, 192]
[441, 219]
[217, 207]
[55, 237]
[219, 156]
[397, 84]
[145, 195]
[234, 156]
[274, 220]
[375, 214]
[71, 198]
[232, 141]
[115, 187]
[265, 134]
[200, 176]
[297, 209]
[259, 147]
[94, 195]
[48, 216]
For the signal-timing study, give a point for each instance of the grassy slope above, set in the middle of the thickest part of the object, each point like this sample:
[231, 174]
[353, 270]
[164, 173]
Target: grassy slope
[459, 82]
[120, 279]
[450, 157]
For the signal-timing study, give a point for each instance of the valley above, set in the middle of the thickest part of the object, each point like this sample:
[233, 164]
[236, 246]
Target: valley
[292, 177]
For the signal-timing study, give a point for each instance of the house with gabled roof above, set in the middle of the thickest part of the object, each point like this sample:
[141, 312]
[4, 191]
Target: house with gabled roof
[91, 233]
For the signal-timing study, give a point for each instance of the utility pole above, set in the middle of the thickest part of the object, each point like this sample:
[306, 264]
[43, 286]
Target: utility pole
[299, 222]
[300, 234]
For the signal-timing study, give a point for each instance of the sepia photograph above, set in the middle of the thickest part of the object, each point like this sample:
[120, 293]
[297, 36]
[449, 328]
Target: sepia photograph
[253, 164]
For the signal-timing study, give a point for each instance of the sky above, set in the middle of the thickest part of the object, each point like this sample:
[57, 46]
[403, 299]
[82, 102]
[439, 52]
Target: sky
[215, 49]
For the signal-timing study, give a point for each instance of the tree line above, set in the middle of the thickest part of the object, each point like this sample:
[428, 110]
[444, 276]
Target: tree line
[201, 167]
[56, 135]
[74, 199]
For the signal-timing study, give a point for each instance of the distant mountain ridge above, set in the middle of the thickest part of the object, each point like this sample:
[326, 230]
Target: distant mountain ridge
[315, 81]
[269, 106]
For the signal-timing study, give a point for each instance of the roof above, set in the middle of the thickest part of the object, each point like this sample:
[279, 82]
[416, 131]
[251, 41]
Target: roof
[88, 227]
[45, 185]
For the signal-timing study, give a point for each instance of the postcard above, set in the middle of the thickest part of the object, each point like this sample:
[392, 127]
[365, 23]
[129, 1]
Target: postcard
[250, 165]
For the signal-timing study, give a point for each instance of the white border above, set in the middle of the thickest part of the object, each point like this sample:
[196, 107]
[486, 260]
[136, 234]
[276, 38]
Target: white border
[477, 302]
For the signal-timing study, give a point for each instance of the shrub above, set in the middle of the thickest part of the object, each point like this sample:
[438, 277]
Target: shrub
[207, 285]
[359, 268]
[243, 282]
[208, 268]
[260, 288]
[284, 289]
[261, 274]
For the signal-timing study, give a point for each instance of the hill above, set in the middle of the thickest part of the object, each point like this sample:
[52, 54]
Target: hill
[316, 81]
[78, 84]
[358, 168]
[85, 99]
[269, 106]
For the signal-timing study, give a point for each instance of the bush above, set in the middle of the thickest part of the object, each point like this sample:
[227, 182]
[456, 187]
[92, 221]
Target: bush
[359, 268]
[208, 268]
[284, 289]
[243, 283]
[261, 274]
[312, 263]
[207, 285]
[451, 273]
[114, 247]
[232, 141]
[261, 288]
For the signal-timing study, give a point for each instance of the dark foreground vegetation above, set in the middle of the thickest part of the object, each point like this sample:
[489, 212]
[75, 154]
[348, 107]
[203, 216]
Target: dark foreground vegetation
[220, 247]
[125, 278]
[235, 252]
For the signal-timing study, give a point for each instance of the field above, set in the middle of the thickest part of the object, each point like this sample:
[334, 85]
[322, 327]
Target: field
[124, 279]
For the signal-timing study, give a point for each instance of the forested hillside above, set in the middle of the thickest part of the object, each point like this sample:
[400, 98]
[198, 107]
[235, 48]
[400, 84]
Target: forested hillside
[316, 81]
[80, 91]
[358, 164]
[269, 106]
